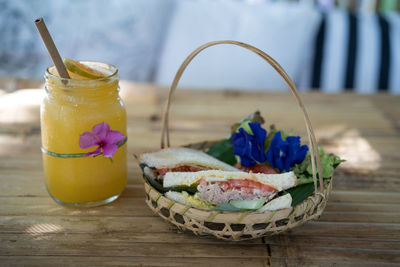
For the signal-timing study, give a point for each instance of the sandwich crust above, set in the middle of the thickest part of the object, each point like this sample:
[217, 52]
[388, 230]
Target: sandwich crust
[278, 203]
[175, 157]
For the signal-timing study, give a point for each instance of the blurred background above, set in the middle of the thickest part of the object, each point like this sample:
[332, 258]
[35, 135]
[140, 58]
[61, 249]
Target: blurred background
[325, 45]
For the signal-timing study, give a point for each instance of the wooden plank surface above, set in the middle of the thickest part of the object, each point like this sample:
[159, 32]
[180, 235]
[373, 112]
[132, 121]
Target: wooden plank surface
[360, 225]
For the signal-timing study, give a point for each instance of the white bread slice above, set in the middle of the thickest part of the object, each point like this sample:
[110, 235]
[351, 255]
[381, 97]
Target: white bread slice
[173, 157]
[278, 203]
[279, 181]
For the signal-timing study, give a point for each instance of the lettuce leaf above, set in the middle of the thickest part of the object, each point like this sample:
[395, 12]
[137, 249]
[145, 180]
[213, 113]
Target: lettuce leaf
[329, 162]
[303, 171]
[223, 151]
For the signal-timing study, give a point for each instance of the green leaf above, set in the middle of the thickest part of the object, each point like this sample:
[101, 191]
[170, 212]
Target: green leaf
[300, 193]
[328, 164]
[157, 184]
[254, 204]
[303, 171]
[141, 165]
[304, 180]
[245, 125]
[153, 182]
[254, 117]
[337, 161]
[190, 190]
[225, 207]
[223, 151]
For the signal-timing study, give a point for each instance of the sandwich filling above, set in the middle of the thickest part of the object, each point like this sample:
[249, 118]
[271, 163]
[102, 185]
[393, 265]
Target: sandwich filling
[183, 168]
[218, 192]
[181, 160]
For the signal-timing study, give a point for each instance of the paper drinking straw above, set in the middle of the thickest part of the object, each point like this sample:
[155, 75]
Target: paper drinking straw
[51, 48]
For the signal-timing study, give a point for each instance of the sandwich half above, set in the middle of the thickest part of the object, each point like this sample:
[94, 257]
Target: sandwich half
[181, 160]
[218, 187]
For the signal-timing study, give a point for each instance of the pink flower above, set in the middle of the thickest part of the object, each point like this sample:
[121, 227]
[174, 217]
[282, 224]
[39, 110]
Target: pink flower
[101, 136]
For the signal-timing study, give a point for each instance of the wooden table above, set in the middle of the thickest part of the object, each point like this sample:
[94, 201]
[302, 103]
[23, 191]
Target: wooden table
[360, 226]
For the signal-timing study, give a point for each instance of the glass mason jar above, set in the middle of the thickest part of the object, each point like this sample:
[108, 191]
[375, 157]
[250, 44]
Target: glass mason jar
[83, 127]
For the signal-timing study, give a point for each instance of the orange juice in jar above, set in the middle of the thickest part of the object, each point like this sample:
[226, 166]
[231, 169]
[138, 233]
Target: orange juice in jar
[83, 124]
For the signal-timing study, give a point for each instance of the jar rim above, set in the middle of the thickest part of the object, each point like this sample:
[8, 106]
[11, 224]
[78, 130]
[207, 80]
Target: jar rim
[112, 68]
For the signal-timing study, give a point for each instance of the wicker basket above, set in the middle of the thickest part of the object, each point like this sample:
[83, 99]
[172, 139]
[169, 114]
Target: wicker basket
[240, 225]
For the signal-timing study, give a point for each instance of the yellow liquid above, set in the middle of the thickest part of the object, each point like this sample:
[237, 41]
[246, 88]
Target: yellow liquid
[66, 113]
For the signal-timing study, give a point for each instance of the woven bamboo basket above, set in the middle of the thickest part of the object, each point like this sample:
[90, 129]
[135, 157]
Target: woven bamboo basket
[240, 225]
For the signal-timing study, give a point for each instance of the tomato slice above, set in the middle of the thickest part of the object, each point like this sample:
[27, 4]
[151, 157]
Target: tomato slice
[249, 184]
[262, 169]
[259, 168]
[163, 171]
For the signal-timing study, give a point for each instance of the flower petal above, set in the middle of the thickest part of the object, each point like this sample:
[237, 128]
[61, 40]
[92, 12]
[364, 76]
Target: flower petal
[258, 132]
[277, 152]
[109, 150]
[240, 142]
[114, 137]
[270, 157]
[285, 154]
[96, 152]
[87, 139]
[258, 142]
[278, 163]
[101, 130]
[247, 162]
[301, 154]
[250, 147]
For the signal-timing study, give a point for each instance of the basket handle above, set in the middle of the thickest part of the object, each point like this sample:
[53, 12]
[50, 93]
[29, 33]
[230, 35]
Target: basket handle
[310, 133]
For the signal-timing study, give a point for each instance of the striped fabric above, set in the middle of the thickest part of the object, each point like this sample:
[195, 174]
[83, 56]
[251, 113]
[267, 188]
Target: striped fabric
[358, 52]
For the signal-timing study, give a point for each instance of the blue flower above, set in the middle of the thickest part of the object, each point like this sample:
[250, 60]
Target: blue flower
[259, 135]
[250, 147]
[285, 154]
[241, 147]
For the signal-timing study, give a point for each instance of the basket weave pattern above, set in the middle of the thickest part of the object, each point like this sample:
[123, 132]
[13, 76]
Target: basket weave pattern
[236, 225]
[240, 225]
